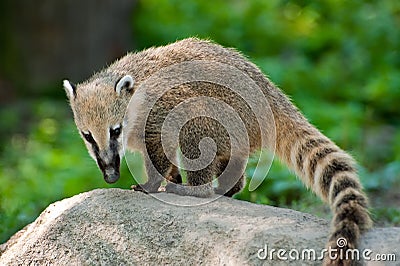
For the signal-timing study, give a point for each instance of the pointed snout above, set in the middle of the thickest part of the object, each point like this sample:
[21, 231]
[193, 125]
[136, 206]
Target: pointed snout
[111, 175]
[110, 170]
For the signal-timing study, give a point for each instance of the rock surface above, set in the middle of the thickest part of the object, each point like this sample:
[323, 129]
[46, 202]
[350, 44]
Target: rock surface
[120, 227]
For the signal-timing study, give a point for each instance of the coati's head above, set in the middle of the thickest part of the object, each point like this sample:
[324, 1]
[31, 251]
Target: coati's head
[99, 107]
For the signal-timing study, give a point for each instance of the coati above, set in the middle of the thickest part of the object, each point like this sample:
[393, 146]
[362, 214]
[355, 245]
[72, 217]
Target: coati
[99, 105]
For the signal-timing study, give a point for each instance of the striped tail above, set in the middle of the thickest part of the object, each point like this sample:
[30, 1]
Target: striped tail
[331, 174]
[324, 167]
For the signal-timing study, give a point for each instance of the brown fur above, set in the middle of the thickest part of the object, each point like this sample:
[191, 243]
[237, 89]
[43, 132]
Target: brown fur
[322, 166]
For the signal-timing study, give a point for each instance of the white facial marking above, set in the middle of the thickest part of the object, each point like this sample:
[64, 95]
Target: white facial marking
[116, 126]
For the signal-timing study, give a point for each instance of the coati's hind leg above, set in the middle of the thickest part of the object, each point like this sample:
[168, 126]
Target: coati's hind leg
[230, 181]
[199, 183]
[237, 187]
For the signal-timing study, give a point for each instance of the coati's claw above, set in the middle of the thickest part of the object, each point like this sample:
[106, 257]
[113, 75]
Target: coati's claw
[161, 189]
[149, 187]
[138, 188]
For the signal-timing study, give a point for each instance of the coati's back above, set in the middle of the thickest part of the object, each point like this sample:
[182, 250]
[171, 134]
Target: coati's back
[322, 166]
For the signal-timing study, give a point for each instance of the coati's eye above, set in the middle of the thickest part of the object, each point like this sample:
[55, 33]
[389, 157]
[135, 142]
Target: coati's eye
[115, 131]
[88, 137]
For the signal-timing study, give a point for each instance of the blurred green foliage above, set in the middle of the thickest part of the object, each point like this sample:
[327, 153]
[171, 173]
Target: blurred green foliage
[338, 60]
[45, 165]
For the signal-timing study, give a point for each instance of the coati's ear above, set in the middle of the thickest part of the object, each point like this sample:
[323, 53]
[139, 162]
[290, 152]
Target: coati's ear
[70, 89]
[124, 83]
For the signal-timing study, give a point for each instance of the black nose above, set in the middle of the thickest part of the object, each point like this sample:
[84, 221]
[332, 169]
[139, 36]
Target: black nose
[110, 171]
[111, 175]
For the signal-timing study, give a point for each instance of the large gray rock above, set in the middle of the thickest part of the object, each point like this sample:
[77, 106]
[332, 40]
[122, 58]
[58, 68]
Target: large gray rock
[120, 227]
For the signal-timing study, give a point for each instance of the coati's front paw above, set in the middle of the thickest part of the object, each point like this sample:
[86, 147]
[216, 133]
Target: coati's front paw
[146, 188]
[138, 188]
